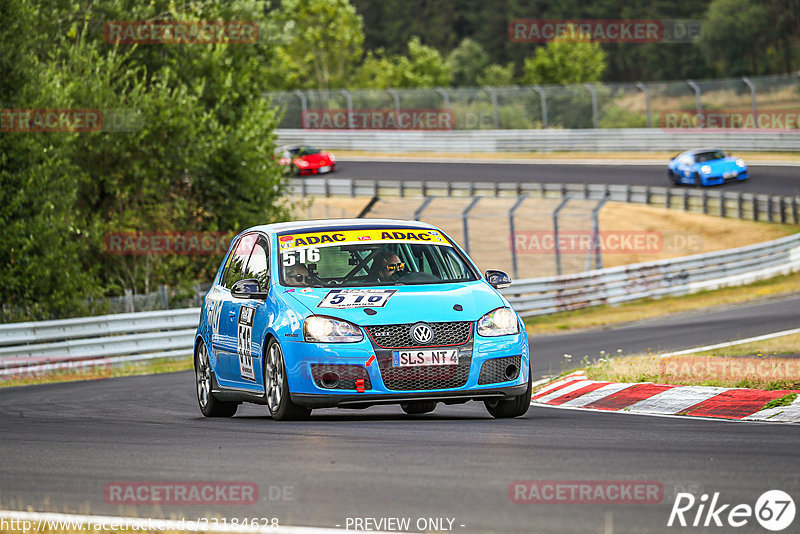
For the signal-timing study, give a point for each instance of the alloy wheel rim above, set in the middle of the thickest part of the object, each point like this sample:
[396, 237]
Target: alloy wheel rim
[203, 376]
[274, 376]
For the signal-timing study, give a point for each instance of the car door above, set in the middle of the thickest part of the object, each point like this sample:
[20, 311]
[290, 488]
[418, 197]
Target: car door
[226, 347]
[251, 321]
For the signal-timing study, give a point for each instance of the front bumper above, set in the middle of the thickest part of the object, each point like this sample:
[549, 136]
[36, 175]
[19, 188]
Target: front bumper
[301, 357]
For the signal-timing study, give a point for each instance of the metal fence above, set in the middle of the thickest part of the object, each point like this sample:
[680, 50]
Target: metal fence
[733, 204]
[620, 105]
[28, 348]
[490, 141]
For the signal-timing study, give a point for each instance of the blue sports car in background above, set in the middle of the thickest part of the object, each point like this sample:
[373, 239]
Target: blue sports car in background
[705, 167]
[353, 313]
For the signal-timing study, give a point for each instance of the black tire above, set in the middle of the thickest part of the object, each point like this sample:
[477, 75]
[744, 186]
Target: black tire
[513, 407]
[210, 406]
[673, 179]
[276, 387]
[698, 181]
[418, 407]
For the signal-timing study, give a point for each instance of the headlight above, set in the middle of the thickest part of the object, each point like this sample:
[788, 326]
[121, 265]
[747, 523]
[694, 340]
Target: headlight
[302, 163]
[705, 169]
[333, 158]
[318, 329]
[740, 163]
[500, 322]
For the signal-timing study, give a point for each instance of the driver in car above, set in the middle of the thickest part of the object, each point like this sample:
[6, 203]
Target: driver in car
[296, 275]
[387, 265]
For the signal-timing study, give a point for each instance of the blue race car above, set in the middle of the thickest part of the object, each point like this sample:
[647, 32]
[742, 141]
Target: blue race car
[705, 167]
[354, 313]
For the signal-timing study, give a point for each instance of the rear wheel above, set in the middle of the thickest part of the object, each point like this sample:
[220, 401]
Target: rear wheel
[276, 387]
[418, 407]
[513, 407]
[209, 405]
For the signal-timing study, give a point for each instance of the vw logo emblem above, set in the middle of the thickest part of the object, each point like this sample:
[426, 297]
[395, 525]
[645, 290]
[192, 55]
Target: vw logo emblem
[422, 333]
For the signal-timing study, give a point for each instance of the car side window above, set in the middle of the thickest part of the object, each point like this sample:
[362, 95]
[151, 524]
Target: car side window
[238, 260]
[258, 266]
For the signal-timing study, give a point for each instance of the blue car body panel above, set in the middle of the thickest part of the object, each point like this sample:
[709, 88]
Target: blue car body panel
[237, 361]
[685, 169]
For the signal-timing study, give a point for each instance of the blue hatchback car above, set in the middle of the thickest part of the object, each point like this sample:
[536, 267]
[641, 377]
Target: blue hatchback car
[708, 166]
[354, 313]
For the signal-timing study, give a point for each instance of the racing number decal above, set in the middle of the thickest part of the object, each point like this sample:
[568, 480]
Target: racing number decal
[244, 342]
[305, 256]
[356, 298]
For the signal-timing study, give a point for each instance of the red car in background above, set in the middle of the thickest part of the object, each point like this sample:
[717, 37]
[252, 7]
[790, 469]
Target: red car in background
[306, 160]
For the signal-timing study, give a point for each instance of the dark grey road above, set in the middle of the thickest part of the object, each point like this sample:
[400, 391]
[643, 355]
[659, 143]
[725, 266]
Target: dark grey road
[666, 334]
[62, 443]
[776, 180]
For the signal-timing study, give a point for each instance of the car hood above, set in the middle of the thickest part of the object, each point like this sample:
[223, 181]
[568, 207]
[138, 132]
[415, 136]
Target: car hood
[316, 159]
[720, 165]
[430, 303]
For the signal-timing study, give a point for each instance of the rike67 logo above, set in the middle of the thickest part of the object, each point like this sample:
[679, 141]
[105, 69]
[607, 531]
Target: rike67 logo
[774, 510]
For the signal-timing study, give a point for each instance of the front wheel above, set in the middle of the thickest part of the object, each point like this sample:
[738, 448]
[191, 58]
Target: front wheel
[209, 405]
[276, 387]
[698, 181]
[513, 407]
[672, 178]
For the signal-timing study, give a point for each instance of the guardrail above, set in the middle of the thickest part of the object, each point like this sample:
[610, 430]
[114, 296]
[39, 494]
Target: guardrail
[33, 347]
[584, 140]
[733, 204]
[690, 274]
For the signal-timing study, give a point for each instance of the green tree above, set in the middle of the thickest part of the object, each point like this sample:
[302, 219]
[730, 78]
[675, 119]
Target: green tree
[497, 75]
[321, 42]
[749, 22]
[563, 62]
[467, 62]
[198, 157]
[422, 67]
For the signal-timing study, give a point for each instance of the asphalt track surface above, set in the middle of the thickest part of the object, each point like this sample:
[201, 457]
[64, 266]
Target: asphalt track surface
[62, 443]
[775, 180]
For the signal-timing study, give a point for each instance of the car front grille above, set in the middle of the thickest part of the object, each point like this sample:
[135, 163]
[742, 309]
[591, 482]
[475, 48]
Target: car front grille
[348, 374]
[427, 377]
[494, 370]
[398, 336]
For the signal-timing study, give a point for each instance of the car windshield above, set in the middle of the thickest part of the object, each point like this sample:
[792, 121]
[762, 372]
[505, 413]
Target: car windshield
[382, 257]
[304, 151]
[711, 155]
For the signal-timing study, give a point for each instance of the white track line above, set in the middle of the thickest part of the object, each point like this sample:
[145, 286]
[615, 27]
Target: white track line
[732, 343]
[42, 521]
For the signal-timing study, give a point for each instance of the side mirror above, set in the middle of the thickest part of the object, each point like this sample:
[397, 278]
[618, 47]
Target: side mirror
[497, 279]
[248, 288]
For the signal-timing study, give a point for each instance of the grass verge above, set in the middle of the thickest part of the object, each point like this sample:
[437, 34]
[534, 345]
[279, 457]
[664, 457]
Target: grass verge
[605, 315]
[100, 371]
[752, 365]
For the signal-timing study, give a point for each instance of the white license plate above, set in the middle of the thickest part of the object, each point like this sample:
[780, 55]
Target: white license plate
[326, 168]
[732, 174]
[420, 358]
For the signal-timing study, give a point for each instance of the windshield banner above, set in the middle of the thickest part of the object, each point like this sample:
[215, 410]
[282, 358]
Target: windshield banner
[363, 236]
